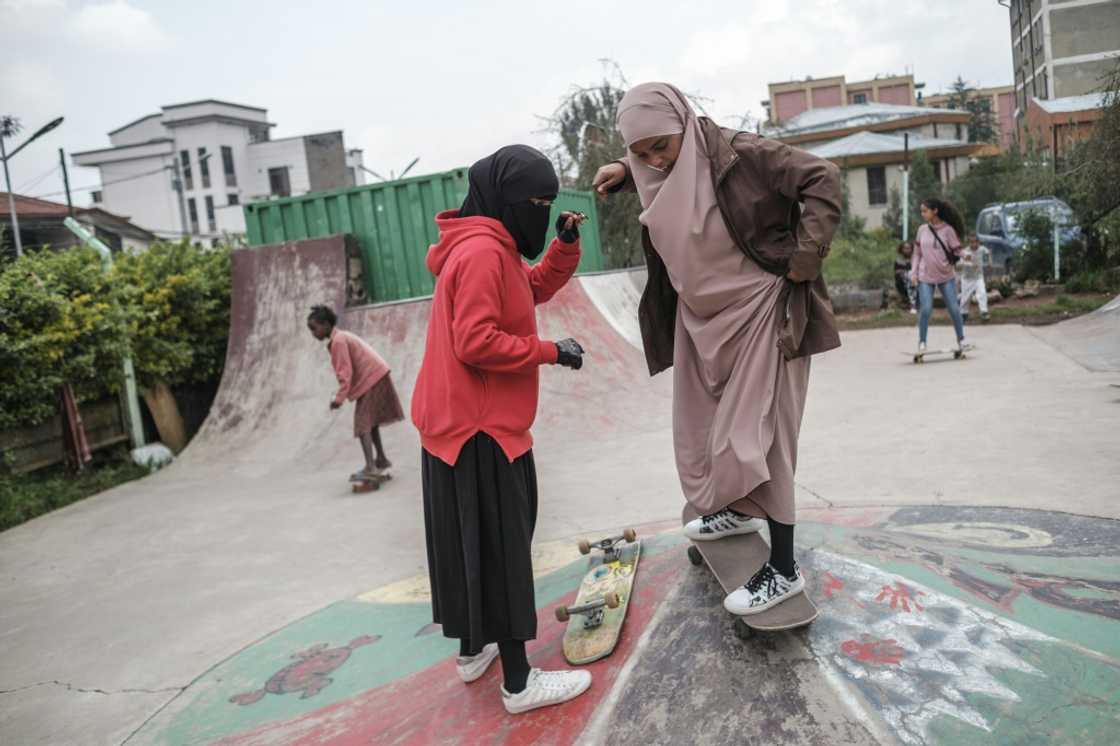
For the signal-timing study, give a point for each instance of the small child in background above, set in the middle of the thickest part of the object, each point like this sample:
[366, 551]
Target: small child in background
[974, 258]
[907, 292]
[363, 377]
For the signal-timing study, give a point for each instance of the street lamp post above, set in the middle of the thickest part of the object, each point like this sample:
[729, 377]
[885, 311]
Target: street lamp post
[8, 127]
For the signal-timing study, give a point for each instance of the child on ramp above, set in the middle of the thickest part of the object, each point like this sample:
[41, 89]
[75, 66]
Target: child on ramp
[363, 378]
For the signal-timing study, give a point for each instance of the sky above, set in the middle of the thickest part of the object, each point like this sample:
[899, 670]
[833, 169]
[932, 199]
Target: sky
[448, 82]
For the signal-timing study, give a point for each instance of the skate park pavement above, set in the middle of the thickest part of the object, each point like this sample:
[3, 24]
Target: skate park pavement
[958, 527]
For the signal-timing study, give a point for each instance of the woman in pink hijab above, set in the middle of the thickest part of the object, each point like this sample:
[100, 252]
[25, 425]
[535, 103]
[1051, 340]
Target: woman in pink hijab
[734, 227]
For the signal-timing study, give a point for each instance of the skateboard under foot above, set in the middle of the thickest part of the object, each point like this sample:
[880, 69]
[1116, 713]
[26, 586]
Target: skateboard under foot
[595, 619]
[734, 560]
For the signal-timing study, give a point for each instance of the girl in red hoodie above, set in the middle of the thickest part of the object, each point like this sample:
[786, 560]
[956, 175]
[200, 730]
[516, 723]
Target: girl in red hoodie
[474, 402]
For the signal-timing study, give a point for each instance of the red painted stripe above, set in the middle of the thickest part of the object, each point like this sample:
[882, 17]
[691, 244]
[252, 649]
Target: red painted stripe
[433, 706]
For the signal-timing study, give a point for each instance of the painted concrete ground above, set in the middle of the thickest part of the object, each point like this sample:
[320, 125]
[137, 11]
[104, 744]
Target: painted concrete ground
[938, 625]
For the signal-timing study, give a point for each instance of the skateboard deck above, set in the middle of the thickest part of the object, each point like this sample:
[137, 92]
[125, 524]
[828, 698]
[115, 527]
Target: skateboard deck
[919, 357]
[733, 561]
[371, 484]
[595, 619]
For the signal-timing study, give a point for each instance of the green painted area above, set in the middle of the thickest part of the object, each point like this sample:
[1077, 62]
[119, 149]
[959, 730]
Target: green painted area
[204, 712]
[1074, 703]
[1093, 631]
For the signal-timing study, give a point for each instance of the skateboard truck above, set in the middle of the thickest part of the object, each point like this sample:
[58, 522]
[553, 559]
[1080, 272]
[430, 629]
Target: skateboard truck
[608, 545]
[592, 612]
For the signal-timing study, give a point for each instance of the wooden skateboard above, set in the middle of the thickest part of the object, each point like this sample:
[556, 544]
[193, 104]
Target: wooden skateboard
[734, 560]
[595, 619]
[369, 484]
[919, 357]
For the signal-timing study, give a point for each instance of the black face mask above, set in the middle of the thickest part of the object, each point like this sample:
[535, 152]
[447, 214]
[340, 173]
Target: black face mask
[501, 186]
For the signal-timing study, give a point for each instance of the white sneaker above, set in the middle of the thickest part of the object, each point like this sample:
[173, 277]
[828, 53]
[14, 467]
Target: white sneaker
[546, 688]
[766, 589]
[719, 525]
[471, 668]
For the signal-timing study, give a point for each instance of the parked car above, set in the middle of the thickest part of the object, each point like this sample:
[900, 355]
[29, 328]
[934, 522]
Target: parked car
[998, 227]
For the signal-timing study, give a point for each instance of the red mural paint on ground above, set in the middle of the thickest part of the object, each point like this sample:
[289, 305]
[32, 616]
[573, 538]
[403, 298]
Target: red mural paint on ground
[433, 706]
[832, 584]
[874, 652]
[308, 674]
[901, 596]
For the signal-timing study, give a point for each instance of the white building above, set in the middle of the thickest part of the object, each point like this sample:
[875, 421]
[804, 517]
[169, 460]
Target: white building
[224, 156]
[868, 141]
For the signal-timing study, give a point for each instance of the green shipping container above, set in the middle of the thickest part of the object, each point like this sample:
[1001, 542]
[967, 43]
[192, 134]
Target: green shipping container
[394, 224]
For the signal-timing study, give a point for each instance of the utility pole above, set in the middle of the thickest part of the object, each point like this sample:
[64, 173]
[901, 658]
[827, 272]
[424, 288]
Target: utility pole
[906, 186]
[66, 181]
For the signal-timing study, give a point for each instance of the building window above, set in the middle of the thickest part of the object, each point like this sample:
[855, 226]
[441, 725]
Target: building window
[185, 159]
[233, 199]
[227, 166]
[96, 197]
[204, 168]
[876, 185]
[192, 213]
[278, 183]
[211, 222]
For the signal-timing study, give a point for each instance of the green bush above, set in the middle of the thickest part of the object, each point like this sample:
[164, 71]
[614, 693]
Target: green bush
[58, 324]
[867, 261]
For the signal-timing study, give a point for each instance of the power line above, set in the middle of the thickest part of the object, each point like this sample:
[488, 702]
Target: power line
[104, 184]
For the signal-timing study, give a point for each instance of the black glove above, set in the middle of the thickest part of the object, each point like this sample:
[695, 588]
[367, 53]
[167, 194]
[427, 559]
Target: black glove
[564, 234]
[569, 354]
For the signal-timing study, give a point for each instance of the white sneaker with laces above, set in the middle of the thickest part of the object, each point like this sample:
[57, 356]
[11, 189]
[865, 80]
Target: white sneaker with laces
[546, 688]
[766, 589]
[471, 668]
[721, 524]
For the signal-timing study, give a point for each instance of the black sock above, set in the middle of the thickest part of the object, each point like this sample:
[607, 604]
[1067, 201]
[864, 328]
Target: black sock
[465, 649]
[781, 547]
[515, 665]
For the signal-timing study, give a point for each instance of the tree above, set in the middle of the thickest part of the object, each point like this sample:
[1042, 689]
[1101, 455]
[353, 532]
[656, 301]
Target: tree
[982, 127]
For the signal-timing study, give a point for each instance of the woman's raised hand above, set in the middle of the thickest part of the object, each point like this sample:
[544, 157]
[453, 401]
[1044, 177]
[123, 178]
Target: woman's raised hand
[608, 177]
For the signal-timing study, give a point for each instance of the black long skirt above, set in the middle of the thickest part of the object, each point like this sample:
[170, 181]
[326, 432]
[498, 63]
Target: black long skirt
[479, 518]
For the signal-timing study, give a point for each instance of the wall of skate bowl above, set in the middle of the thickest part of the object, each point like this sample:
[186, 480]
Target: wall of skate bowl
[269, 411]
[1093, 340]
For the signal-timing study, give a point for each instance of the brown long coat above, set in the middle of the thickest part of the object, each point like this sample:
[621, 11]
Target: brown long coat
[759, 184]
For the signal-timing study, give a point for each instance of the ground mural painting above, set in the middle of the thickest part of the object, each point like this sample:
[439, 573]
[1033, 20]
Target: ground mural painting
[953, 625]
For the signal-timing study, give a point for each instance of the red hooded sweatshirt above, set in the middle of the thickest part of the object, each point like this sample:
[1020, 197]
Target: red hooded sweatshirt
[480, 364]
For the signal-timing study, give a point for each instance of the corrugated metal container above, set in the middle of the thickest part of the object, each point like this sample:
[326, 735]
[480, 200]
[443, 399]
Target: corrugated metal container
[393, 222]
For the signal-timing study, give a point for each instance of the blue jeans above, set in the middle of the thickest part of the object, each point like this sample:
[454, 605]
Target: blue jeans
[925, 307]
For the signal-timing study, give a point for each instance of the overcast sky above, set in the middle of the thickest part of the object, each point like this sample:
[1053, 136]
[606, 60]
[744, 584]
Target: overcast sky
[443, 80]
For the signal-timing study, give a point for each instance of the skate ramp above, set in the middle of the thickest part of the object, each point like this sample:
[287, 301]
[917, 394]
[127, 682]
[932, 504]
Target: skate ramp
[1093, 340]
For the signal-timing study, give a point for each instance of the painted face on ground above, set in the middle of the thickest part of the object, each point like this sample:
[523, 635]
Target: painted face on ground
[660, 152]
[318, 329]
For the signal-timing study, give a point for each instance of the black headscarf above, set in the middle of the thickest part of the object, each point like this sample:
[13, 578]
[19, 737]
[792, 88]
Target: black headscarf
[500, 188]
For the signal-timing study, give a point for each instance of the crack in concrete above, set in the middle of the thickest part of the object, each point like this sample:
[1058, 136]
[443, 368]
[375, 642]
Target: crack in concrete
[72, 688]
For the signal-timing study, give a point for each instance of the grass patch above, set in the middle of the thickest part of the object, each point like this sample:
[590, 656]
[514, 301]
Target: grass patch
[26, 496]
[865, 261]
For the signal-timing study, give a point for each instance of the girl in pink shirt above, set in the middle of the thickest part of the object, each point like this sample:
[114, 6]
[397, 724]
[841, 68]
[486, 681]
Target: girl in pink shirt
[363, 377]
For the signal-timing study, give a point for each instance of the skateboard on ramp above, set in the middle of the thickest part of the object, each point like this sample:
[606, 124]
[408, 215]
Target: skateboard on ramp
[367, 483]
[595, 619]
[734, 560]
[920, 357]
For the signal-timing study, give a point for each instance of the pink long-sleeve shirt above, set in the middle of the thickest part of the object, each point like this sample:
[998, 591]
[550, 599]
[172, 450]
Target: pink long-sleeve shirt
[930, 263]
[357, 366]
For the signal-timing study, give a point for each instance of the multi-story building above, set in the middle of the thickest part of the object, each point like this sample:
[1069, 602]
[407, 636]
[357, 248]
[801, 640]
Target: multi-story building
[1001, 100]
[789, 99]
[1061, 48]
[221, 155]
[872, 141]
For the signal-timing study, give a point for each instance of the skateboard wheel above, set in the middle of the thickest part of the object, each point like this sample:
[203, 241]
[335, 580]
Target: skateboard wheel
[630, 535]
[562, 614]
[584, 546]
[612, 600]
[743, 630]
[694, 556]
